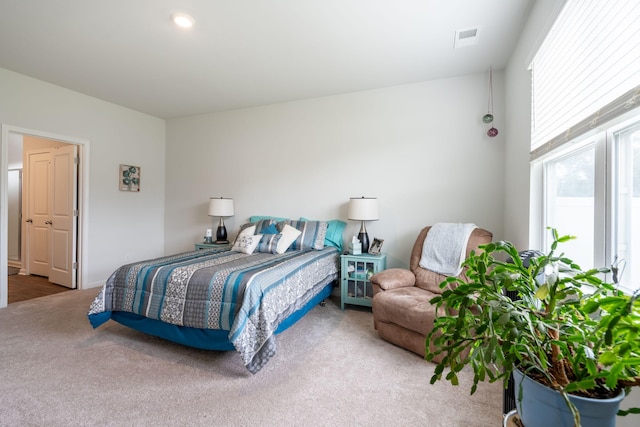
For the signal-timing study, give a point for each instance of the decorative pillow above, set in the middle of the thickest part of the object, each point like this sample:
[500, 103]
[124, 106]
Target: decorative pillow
[257, 218]
[335, 230]
[269, 243]
[263, 224]
[246, 244]
[312, 234]
[246, 230]
[288, 236]
[270, 229]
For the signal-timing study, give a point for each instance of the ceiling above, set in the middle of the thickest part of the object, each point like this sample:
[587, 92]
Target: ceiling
[243, 53]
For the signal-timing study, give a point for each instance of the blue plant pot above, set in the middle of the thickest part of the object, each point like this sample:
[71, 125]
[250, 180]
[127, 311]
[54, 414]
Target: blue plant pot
[542, 406]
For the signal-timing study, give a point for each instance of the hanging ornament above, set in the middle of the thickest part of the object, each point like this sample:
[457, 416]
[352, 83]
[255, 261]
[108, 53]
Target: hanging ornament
[488, 118]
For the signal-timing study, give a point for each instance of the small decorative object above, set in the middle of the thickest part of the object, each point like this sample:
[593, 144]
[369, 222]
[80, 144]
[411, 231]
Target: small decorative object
[363, 209]
[208, 237]
[129, 179]
[376, 246]
[221, 207]
[355, 247]
[488, 118]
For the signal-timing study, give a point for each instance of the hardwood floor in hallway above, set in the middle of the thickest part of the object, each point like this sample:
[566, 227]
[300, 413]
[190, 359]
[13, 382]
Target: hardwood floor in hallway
[23, 288]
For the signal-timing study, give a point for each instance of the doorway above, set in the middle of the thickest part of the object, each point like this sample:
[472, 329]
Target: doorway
[10, 135]
[14, 220]
[50, 209]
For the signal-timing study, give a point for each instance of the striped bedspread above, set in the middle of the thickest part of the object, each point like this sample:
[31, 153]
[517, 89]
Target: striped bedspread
[247, 295]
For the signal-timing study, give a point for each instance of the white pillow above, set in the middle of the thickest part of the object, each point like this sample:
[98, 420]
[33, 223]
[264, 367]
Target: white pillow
[247, 231]
[246, 244]
[289, 235]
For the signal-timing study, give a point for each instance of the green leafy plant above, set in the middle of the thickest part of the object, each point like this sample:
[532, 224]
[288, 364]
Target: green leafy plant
[567, 328]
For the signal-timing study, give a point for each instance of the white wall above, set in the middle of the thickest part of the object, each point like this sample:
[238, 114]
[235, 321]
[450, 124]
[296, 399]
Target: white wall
[119, 223]
[421, 149]
[15, 152]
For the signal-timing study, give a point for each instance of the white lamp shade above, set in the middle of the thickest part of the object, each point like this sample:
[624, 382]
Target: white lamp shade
[363, 209]
[220, 207]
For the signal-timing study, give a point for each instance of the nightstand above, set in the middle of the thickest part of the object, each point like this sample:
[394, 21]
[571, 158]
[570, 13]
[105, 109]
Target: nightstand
[355, 272]
[200, 246]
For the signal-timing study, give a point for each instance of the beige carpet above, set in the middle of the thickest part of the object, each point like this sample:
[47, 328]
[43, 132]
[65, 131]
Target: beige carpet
[331, 369]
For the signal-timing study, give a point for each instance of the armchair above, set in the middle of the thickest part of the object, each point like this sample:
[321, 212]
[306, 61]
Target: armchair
[402, 313]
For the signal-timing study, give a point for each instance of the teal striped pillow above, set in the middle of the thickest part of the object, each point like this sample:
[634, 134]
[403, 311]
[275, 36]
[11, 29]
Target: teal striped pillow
[256, 218]
[263, 224]
[335, 230]
[269, 243]
[312, 234]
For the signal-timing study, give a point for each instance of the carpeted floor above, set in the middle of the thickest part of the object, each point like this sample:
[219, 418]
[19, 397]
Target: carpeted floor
[331, 369]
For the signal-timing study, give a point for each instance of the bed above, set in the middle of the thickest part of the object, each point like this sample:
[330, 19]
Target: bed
[233, 297]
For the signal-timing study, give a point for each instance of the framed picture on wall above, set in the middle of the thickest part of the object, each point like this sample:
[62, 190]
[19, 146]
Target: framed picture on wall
[129, 178]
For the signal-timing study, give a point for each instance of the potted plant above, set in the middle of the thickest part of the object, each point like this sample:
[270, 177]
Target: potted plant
[567, 329]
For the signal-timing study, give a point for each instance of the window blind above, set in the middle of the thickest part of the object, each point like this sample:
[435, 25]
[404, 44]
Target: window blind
[586, 72]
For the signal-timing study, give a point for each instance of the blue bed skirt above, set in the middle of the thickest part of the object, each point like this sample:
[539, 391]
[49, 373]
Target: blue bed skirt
[206, 339]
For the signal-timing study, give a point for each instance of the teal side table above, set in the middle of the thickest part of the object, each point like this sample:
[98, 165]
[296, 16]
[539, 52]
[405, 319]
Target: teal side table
[200, 246]
[355, 272]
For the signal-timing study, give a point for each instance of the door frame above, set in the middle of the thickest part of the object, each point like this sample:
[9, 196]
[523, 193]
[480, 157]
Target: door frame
[83, 202]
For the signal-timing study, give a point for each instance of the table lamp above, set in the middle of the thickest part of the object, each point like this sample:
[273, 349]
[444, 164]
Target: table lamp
[221, 207]
[363, 209]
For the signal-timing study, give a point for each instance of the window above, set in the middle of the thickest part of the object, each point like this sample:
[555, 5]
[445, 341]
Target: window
[592, 190]
[589, 59]
[570, 201]
[585, 136]
[626, 205]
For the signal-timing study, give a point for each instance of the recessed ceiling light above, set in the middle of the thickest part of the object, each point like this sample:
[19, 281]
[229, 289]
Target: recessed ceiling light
[182, 20]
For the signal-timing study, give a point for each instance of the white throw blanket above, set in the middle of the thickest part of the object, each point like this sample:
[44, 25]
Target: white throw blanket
[444, 248]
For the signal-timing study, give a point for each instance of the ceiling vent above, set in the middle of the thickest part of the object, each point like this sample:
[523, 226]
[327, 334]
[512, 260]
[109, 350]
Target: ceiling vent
[466, 37]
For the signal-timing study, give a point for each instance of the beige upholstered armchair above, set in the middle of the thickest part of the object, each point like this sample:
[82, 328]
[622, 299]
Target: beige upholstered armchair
[402, 313]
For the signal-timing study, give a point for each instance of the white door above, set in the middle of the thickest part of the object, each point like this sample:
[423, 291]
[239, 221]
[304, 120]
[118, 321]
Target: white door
[64, 217]
[52, 214]
[38, 215]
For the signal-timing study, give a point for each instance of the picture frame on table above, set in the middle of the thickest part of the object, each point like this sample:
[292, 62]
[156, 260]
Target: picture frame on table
[376, 246]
